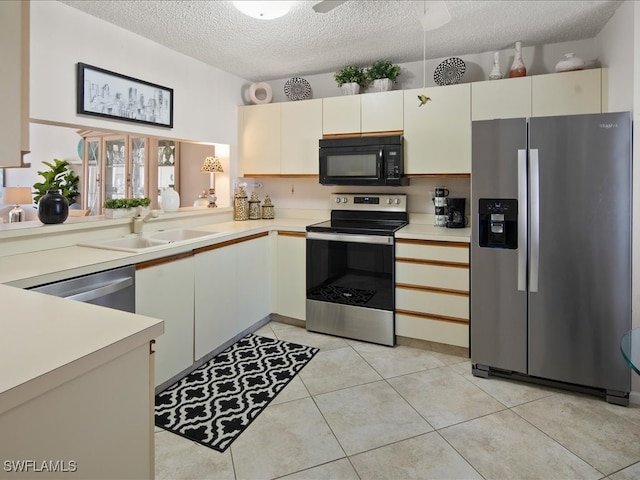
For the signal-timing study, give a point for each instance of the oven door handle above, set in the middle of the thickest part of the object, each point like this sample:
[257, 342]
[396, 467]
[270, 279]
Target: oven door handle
[346, 237]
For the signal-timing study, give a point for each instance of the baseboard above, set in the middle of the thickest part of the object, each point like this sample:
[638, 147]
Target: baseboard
[433, 346]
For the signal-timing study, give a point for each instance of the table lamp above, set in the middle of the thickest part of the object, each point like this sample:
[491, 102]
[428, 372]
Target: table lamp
[16, 196]
[212, 166]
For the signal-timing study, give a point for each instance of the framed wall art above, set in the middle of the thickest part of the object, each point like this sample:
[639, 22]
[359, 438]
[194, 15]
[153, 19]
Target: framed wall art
[106, 94]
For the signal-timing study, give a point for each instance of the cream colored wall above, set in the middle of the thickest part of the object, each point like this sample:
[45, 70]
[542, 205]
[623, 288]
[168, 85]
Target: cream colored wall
[618, 48]
[205, 98]
[539, 59]
[46, 143]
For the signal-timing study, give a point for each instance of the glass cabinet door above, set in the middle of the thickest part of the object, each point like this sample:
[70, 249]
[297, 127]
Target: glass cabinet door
[138, 172]
[167, 166]
[115, 168]
[92, 175]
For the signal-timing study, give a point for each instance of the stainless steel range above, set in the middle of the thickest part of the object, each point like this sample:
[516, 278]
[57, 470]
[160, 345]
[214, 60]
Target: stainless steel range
[351, 267]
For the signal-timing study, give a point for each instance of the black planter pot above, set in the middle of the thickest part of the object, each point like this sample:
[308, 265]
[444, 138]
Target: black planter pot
[53, 207]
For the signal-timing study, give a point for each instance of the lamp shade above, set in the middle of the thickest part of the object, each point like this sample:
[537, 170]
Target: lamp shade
[211, 165]
[16, 195]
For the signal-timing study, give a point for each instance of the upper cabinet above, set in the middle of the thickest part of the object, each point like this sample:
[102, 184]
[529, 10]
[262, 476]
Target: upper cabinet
[369, 112]
[382, 112]
[280, 138]
[301, 128]
[14, 82]
[507, 98]
[567, 93]
[341, 115]
[260, 139]
[437, 135]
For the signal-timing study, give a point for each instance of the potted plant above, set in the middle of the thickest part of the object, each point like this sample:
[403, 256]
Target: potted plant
[350, 79]
[382, 73]
[125, 207]
[59, 177]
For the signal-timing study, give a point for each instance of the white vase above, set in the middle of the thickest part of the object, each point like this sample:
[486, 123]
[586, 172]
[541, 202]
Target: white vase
[495, 73]
[381, 85]
[170, 200]
[570, 63]
[352, 88]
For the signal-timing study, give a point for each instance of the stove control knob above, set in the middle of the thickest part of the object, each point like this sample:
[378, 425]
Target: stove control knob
[397, 201]
[389, 201]
[344, 200]
[337, 200]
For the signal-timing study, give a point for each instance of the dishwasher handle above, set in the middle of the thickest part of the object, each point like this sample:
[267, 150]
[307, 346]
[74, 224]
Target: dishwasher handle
[94, 292]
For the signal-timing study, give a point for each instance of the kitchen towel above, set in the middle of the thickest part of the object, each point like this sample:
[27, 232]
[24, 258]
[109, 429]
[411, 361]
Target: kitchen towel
[215, 403]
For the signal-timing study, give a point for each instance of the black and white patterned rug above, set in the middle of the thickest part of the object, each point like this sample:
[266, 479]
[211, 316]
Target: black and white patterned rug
[215, 403]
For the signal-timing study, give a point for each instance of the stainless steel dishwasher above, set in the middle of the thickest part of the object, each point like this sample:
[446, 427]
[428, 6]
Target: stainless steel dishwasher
[111, 288]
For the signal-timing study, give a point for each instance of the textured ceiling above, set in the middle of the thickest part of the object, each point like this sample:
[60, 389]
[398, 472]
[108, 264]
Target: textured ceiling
[357, 32]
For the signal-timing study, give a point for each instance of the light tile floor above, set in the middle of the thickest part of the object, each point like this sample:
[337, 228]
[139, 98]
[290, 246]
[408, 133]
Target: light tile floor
[363, 411]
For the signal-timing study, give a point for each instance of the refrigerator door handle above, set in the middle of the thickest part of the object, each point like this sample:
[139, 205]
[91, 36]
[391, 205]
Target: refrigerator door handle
[535, 219]
[522, 220]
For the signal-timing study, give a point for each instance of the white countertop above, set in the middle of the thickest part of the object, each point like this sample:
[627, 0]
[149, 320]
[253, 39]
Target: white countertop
[46, 341]
[421, 231]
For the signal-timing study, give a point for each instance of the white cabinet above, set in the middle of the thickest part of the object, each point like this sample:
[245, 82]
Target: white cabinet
[382, 112]
[232, 290]
[291, 277]
[506, 98]
[301, 128]
[260, 139]
[255, 264]
[432, 291]
[567, 93]
[437, 135]
[366, 113]
[107, 410]
[216, 305]
[280, 138]
[14, 82]
[341, 115]
[164, 290]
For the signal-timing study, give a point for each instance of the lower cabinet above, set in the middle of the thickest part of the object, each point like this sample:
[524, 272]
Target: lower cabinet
[291, 275]
[432, 291]
[96, 425]
[232, 289]
[164, 290]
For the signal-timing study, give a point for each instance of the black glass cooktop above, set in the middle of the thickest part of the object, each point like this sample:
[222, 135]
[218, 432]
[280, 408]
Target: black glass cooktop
[370, 223]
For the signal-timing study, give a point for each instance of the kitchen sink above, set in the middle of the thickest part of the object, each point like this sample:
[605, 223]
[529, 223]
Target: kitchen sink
[145, 242]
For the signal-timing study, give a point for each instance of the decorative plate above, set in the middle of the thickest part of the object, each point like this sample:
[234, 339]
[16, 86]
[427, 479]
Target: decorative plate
[449, 72]
[297, 88]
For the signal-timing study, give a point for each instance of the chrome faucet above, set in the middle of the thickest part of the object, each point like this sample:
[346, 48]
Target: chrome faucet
[139, 220]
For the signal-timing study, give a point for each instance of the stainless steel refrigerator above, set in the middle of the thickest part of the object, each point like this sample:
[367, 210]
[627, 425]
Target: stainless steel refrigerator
[551, 250]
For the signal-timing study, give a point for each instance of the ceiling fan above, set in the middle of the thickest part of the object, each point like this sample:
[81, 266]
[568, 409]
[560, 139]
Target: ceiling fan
[431, 13]
[326, 6]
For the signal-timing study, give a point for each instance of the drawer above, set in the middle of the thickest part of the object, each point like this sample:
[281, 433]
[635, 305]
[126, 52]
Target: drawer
[434, 303]
[438, 276]
[430, 250]
[432, 330]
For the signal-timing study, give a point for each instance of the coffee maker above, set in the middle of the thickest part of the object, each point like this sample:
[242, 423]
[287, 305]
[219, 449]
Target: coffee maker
[455, 213]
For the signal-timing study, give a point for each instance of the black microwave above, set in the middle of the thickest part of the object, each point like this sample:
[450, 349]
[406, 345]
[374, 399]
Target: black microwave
[362, 161]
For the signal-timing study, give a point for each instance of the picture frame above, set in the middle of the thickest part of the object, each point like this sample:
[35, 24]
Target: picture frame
[106, 94]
